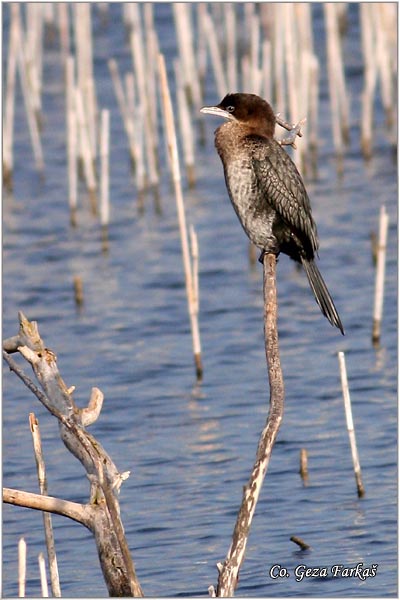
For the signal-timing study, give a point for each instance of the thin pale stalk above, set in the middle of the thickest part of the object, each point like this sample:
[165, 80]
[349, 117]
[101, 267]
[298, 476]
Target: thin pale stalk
[185, 124]
[43, 575]
[350, 425]
[380, 275]
[176, 176]
[47, 522]
[105, 176]
[8, 123]
[72, 138]
[21, 567]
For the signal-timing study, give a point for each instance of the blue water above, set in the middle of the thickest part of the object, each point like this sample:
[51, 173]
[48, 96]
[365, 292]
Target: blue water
[190, 448]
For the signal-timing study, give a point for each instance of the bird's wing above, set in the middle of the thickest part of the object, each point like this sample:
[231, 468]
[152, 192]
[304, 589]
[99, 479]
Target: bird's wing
[284, 190]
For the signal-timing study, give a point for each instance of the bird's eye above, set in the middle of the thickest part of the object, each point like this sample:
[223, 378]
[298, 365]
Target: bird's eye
[230, 109]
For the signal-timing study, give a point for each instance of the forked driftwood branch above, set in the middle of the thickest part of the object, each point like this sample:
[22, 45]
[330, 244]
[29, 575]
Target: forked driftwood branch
[229, 570]
[101, 515]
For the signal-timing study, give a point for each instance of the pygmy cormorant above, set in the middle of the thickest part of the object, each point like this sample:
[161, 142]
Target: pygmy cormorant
[266, 189]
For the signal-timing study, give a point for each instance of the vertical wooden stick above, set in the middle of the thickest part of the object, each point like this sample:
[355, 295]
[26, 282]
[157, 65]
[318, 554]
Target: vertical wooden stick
[21, 567]
[43, 576]
[350, 426]
[47, 522]
[105, 178]
[229, 570]
[380, 275]
[176, 176]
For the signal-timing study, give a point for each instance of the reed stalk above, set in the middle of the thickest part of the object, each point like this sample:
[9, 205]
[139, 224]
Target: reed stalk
[337, 86]
[29, 107]
[43, 575]
[8, 122]
[137, 136]
[85, 79]
[72, 139]
[127, 115]
[350, 425]
[380, 275]
[231, 46]
[63, 26]
[208, 30]
[370, 78]
[21, 567]
[105, 175]
[185, 124]
[47, 522]
[304, 465]
[85, 149]
[34, 54]
[176, 177]
[138, 60]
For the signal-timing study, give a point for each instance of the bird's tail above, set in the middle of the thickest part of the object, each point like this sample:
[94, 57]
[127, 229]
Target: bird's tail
[321, 293]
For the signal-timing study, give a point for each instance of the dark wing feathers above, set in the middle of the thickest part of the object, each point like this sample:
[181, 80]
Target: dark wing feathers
[283, 186]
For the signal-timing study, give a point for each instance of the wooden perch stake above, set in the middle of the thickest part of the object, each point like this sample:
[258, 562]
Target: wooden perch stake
[350, 426]
[229, 571]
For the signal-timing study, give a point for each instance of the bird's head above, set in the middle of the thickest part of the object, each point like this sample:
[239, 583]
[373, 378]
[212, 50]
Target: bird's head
[246, 109]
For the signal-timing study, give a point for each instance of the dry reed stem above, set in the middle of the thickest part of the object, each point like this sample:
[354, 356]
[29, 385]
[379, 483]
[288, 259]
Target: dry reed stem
[337, 85]
[380, 275]
[304, 465]
[127, 116]
[47, 522]
[350, 426]
[21, 567]
[29, 107]
[78, 290]
[84, 56]
[137, 140]
[229, 570]
[140, 68]
[231, 46]
[43, 576]
[184, 30]
[63, 26]
[8, 122]
[185, 123]
[215, 54]
[85, 149]
[176, 176]
[105, 164]
[72, 138]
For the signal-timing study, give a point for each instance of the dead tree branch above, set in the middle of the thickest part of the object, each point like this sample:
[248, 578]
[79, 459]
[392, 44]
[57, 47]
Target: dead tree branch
[229, 570]
[105, 479]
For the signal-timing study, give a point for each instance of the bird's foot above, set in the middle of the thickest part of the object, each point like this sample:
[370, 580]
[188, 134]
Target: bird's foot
[264, 252]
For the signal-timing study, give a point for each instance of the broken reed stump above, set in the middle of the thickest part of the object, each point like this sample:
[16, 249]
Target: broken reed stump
[229, 570]
[101, 515]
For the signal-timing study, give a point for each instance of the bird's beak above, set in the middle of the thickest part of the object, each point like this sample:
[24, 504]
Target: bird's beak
[217, 112]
